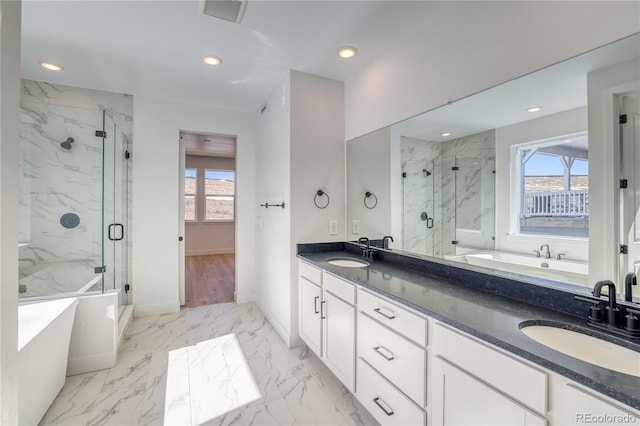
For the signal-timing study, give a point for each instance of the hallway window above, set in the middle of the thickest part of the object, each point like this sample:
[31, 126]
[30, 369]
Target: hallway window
[190, 192]
[219, 195]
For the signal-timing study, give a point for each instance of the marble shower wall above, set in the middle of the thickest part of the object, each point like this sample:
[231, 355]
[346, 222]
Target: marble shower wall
[54, 180]
[461, 202]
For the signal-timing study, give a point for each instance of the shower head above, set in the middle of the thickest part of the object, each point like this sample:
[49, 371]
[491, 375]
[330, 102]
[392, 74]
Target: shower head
[67, 144]
[426, 172]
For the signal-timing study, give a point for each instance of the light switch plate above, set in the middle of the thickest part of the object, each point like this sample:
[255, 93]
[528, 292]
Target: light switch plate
[333, 227]
[355, 226]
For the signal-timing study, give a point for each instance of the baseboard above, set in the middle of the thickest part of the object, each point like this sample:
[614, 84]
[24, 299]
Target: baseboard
[91, 363]
[288, 339]
[166, 308]
[207, 252]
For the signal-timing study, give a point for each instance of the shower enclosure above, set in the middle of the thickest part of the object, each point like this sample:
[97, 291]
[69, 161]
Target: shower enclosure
[74, 198]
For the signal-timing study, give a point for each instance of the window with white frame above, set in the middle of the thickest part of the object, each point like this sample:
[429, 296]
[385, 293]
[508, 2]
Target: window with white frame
[553, 186]
[219, 195]
[190, 194]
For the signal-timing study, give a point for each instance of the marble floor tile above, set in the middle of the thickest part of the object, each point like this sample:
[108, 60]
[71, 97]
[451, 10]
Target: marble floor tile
[229, 355]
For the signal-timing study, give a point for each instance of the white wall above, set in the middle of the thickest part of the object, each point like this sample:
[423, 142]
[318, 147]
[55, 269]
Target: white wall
[563, 123]
[155, 228]
[202, 238]
[9, 106]
[301, 150]
[273, 185]
[502, 40]
[317, 162]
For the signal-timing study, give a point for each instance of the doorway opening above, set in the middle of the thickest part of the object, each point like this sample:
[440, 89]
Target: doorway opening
[209, 176]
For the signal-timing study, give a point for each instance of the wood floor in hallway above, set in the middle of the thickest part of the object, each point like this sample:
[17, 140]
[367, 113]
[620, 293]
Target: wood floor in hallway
[209, 279]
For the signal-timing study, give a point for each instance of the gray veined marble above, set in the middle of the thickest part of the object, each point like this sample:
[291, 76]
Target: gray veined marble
[211, 365]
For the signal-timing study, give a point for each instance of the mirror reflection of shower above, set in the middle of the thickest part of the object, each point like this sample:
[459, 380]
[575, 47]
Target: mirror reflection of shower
[67, 144]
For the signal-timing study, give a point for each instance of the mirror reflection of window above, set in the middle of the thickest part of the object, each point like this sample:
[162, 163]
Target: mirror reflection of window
[190, 193]
[553, 191]
[219, 195]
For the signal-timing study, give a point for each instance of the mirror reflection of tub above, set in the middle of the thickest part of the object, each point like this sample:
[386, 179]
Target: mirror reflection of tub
[569, 271]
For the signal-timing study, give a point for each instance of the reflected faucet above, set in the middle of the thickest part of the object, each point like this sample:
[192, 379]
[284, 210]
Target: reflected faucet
[385, 241]
[629, 280]
[548, 253]
[612, 308]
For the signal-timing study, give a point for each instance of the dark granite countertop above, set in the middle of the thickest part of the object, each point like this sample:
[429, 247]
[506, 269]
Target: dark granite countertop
[488, 316]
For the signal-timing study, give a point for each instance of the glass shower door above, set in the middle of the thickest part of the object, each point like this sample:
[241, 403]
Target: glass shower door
[114, 209]
[418, 207]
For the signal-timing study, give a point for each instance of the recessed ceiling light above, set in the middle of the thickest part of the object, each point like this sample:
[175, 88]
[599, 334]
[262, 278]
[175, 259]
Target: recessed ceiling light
[445, 134]
[534, 109]
[212, 60]
[50, 66]
[347, 52]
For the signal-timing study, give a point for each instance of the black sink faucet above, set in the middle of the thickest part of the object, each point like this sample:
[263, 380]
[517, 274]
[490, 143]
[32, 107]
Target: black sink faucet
[612, 308]
[629, 280]
[366, 252]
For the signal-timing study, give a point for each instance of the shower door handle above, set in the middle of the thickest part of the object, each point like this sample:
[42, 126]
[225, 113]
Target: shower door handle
[112, 233]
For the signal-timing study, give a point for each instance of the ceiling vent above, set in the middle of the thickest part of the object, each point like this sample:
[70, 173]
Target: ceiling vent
[229, 10]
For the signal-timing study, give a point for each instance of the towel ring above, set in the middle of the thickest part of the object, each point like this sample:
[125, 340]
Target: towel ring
[319, 195]
[367, 196]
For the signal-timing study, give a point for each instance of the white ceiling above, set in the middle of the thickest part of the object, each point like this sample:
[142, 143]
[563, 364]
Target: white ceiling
[156, 48]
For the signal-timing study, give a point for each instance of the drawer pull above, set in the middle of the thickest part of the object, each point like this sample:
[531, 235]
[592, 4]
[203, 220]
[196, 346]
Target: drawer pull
[323, 315]
[389, 316]
[381, 349]
[315, 305]
[379, 403]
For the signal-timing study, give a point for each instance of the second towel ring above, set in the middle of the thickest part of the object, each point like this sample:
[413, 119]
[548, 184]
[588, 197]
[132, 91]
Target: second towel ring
[368, 195]
[319, 195]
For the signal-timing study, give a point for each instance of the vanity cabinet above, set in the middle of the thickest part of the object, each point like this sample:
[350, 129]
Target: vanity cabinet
[577, 406]
[328, 320]
[392, 361]
[476, 384]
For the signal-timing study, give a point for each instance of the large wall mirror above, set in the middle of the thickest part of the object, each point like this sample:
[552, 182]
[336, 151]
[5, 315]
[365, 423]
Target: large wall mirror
[521, 178]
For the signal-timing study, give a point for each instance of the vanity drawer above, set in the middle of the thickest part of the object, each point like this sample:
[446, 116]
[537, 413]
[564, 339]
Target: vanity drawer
[393, 316]
[311, 273]
[400, 361]
[385, 403]
[512, 377]
[339, 287]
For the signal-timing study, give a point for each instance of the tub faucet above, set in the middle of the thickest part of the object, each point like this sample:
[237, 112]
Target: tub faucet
[612, 309]
[548, 252]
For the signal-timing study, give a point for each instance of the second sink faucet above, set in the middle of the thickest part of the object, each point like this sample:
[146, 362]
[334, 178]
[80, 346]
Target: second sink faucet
[385, 241]
[548, 253]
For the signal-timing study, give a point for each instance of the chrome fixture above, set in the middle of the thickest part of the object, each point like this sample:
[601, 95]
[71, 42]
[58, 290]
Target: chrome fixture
[385, 241]
[548, 252]
[537, 252]
[67, 144]
[559, 256]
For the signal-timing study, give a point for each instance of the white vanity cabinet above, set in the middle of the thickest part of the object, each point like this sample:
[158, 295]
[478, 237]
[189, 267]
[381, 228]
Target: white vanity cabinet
[474, 384]
[577, 406]
[392, 361]
[328, 320]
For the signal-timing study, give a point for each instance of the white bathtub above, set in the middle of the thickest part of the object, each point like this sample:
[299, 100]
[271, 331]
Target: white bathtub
[44, 332]
[568, 271]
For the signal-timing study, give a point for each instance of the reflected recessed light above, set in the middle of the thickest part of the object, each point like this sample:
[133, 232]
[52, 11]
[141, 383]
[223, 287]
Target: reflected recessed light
[212, 60]
[445, 134]
[50, 66]
[347, 52]
[534, 109]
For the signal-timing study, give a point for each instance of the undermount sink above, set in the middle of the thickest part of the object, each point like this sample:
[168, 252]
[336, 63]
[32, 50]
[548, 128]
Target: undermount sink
[347, 263]
[586, 348]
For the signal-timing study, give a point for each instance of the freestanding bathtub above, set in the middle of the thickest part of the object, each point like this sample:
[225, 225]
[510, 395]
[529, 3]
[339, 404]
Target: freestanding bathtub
[44, 332]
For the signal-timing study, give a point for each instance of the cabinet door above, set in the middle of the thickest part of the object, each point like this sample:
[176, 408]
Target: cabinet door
[310, 321]
[580, 407]
[339, 338]
[467, 401]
